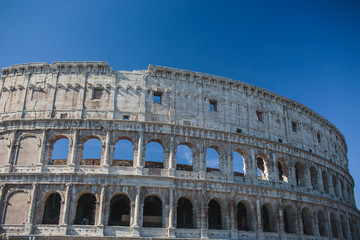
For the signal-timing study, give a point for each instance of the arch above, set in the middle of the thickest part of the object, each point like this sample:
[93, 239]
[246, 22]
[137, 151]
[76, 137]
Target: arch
[242, 217]
[184, 157]
[280, 171]
[344, 227]
[283, 170]
[184, 212]
[335, 185]
[92, 151]
[154, 155]
[119, 211]
[4, 149]
[322, 224]
[289, 218]
[214, 215]
[17, 207]
[239, 163]
[28, 150]
[123, 153]
[307, 221]
[343, 189]
[268, 218]
[59, 148]
[300, 174]
[52, 209]
[334, 225]
[212, 159]
[314, 178]
[85, 210]
[325, 182]
[261, 168]
[152, 214]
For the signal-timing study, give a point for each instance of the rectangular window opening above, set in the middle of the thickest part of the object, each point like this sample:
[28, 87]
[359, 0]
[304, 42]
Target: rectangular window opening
[98, 93]
[126, 117]
[238, 130]
[213, 105]
[280, 140]
[259, 116]
[294, 126]
[157, 97]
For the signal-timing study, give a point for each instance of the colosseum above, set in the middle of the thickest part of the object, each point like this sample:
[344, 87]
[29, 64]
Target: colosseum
[92, 153]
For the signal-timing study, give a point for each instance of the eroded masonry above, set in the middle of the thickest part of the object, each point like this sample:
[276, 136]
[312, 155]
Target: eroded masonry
[165, 153]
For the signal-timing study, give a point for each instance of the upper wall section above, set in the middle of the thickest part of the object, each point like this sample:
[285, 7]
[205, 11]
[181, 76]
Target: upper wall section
[92, 90]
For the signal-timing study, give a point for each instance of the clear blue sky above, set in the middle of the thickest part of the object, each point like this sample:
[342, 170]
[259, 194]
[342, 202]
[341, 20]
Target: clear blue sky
[308, 51]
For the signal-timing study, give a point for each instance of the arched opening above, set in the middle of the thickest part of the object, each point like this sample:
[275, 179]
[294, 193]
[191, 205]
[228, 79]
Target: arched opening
[334, 225]
[123, 153]
[85, 210]
[280, 171]
[322, 223]
[152, 215]
[300, 175]
[325, 182]
[212, 160]
[265, 219]
[52, 209]
[119, 214]
[238, 164]
[314, 178]
[184, 158]
[290, 220]
[242, 217]
[60, 152]
[92, 152]
[154, 155]
[214, 215]
[343, 189]
[335, 186]
[261, 168]
[344, 227]
[184, 212]
[307, 220]
[17, 205]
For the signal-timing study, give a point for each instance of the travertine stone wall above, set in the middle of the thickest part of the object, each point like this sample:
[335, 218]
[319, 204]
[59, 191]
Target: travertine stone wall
[41, 103]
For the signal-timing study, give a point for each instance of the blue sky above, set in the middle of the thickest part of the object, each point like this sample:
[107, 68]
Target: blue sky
[308, 51]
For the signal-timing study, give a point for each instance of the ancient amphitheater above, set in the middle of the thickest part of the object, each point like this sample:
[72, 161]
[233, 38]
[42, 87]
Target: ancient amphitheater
[294, 183]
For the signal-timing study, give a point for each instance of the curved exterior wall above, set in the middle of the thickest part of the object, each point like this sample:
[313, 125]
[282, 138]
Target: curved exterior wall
[41, 103]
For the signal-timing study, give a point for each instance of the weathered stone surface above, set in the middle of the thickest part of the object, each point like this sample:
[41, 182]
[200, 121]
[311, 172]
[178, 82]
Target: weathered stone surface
[305, 190]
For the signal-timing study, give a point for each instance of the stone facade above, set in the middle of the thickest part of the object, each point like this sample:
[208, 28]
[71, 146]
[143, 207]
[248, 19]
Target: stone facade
[304, 190]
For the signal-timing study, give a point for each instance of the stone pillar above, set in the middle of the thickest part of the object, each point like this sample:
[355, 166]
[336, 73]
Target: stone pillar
[29, 224]
[233, 218]
[40, 164]
[171, 228]
[347, 226]
[320, 180]
[171, 159]
[73, 157]
[203, 218]
[281, 221]
[293, 176]
[202, 162]
[106, 159]
[100, 220]
[308, 177]
[339, 223]
[331, 185]
[138, 161]
[136, 221]
[64, 216]
[329, 222]
[8, 165]
[259, 230]
[2, 190]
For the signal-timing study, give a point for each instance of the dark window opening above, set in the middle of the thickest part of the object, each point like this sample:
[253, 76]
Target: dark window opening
[242, 219]
[213, 105]
[281, 172]
[85, 211]
[314, 178]
[63, 115]
[97, 93]
[184, 214]
[310, 150]
[265, 219]
[294, 126]
[286, 222]
[126, 117]
[318, 137]
[52, 209]
[260, 168]
[321, 222]
[280, 140]
[214, 215]
[307, 221]
[259, 116]
[157, 97]
[119, 211]
[152, 216]
[238, 130]
[334, 225]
